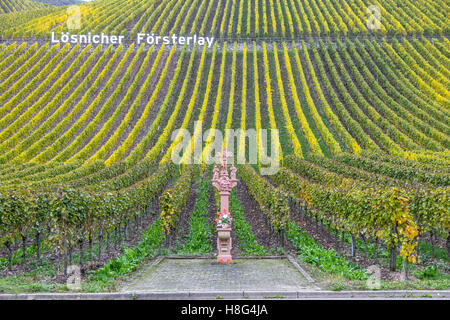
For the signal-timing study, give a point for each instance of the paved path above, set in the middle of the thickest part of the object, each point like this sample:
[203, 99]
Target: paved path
[172, 275]
[170, 278]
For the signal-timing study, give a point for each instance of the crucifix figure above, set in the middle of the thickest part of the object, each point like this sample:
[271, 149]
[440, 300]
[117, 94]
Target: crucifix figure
[224, 184]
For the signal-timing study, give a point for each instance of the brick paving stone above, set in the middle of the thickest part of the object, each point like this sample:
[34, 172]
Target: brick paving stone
[207, 275]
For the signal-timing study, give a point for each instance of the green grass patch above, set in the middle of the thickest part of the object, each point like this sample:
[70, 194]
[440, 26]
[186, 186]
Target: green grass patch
[326, 260]
[39, 280]
[132, 258]
[197, 242]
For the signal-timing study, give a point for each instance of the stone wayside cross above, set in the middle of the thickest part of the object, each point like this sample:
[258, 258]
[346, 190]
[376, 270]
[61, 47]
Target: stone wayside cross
[224, 185]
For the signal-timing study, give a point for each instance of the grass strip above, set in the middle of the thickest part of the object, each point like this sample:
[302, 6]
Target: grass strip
[133, 257]
[326, 260]
[197, 242]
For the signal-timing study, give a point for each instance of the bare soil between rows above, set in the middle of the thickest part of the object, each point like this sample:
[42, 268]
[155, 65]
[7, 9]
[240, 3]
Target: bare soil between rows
[258, 222]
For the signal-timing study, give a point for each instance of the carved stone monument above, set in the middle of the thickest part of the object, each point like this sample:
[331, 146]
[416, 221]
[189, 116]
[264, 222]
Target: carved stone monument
[224, 184]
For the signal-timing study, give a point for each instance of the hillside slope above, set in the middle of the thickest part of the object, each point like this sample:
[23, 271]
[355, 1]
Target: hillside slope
[11, 6]
[246, 19]
[360, 117]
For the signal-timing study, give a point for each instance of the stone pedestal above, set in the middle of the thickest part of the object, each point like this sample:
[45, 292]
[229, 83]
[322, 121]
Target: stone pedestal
[224, 245]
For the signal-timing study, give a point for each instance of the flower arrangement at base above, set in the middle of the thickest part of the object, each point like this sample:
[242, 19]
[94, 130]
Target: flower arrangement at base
[223, 220]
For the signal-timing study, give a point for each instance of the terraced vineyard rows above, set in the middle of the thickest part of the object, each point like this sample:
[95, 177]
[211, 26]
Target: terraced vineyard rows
[235, 19]
[88, 132]
[7, 6]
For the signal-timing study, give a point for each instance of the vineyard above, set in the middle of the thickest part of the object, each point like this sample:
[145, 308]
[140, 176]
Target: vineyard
[87, 132]
[7, 6]
[233, 19]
